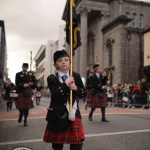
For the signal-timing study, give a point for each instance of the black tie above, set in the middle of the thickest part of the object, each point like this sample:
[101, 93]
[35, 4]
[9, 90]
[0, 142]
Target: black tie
[64, 77]
[25, 76]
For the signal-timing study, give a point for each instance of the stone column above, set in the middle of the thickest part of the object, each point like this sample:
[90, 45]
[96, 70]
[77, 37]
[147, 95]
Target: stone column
[76, 60]
[83, 48]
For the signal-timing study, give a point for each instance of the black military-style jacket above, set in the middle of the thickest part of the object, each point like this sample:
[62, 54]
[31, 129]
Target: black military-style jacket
[60, 94]
[95, 83]
[21, 79]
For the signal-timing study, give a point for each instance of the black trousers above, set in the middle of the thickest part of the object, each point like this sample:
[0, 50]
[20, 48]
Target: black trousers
[102, 111]
[72, 146]
[24, 112]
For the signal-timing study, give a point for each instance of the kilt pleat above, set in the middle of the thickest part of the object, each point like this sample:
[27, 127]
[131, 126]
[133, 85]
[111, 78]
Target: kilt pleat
[24, 102]
[73, 135]
[94, 101]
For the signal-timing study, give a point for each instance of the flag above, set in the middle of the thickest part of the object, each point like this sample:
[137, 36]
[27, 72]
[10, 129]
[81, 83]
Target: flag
[76, 40]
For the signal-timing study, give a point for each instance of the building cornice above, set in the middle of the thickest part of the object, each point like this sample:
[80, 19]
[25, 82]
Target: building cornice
[135, 30]
[119, 20]
[137, 2]
[147, 30]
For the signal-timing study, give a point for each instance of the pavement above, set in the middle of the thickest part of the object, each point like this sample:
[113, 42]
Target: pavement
[41, 112]
[128, 129]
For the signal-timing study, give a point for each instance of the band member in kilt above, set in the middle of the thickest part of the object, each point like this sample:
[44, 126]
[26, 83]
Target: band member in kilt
[59, 85]
[8, 87]
[96, 92]
[38, 92]
[25, 82]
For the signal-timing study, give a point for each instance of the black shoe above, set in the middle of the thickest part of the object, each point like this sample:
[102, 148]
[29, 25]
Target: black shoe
[104, 120]
[90, 118]
[25, 123]
[20, 119]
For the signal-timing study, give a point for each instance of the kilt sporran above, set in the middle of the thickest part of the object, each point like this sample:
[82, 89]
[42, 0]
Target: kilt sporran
[60, 123]
[26, 92]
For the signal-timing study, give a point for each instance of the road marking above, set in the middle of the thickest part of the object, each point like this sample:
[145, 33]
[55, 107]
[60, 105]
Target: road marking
[117, 133]
[95, 114]
[17, 119]
[87, 136]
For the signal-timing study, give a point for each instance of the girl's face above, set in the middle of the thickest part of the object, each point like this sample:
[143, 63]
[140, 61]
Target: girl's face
[62, 64]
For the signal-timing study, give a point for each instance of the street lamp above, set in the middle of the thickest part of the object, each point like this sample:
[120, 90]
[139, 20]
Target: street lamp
[31, 62]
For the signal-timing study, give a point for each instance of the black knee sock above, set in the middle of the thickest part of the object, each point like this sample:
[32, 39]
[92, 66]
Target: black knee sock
[91, 112]
[21, 112]
[103, 112]
[26, 112]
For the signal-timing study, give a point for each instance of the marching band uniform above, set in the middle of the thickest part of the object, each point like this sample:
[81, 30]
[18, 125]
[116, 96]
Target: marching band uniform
[8, 87]
[38, 90]
[97, 93]
[24, 103]
[60, 95]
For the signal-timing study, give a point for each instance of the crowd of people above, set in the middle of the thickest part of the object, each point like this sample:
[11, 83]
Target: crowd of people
[135, 94]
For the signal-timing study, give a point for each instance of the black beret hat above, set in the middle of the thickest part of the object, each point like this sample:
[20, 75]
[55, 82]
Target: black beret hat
[25, 65]
[95, 66]
[59, 54]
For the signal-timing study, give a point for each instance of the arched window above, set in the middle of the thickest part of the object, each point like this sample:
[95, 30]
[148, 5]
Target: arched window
[109, 45]
[134, 20]
[141, 21]
[128, 16]
[90, 50]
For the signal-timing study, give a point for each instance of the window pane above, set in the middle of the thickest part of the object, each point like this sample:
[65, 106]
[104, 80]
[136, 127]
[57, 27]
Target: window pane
[141, 21]
[134, 20]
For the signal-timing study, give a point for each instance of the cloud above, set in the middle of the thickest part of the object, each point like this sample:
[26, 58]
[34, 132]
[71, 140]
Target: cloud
[28, 25]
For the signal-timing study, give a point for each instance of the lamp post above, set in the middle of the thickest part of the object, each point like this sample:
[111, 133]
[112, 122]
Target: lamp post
[31, 62]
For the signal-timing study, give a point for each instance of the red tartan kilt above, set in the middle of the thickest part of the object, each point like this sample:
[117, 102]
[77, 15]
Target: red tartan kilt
[73, 135]
[89, 95]
[24, 102]
[97, 102]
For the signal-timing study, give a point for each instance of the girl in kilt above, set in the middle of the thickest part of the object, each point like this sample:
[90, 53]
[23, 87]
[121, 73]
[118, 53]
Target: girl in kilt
[59, 85]
[96, 92]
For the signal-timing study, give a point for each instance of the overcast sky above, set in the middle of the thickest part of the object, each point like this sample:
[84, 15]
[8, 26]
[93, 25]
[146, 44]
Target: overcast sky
[28, 25]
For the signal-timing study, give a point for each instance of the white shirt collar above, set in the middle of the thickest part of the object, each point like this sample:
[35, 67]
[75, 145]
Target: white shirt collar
[61, 73]
[98, 75]
[25, 72]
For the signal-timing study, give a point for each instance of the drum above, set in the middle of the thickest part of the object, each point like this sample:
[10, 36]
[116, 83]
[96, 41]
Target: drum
[110, 95]
[13, 94]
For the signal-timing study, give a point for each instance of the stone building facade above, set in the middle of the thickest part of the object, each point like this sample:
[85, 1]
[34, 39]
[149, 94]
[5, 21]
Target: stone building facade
[3, 55]
[112, 35]
[44, 57]
[44, 61]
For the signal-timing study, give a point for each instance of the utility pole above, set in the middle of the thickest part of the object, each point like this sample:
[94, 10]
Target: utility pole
[31, 62]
